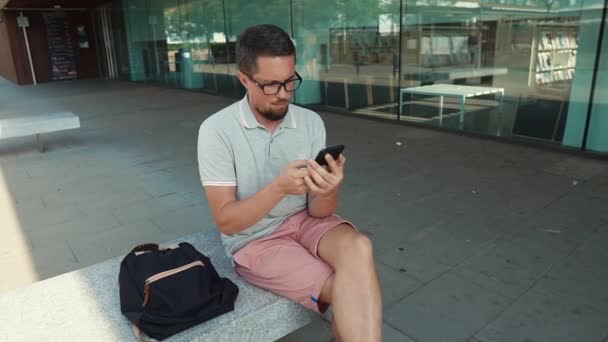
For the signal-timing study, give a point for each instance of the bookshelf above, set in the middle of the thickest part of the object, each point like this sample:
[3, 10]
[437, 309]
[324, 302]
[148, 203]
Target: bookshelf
[553, 58]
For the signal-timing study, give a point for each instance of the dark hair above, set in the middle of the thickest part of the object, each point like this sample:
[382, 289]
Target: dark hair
[262, 40]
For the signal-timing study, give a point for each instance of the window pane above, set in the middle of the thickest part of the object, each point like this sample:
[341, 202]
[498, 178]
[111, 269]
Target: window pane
[504, 68]
[241, 14]
[347, 53]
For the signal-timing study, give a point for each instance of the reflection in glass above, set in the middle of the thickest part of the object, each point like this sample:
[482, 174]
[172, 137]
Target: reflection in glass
[459, 58]
[521, 69]
[347, 54]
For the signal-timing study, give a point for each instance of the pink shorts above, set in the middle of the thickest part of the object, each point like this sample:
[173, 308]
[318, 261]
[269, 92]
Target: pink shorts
[286, 262]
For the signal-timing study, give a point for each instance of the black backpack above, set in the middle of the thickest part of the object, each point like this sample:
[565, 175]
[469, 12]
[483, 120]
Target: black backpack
[167, 290]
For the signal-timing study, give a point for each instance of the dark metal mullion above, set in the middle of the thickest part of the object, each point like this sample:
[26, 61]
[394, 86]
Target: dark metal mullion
[295, 94]
[399, 57]
[594, 77]
[291, 17]
[226, 34]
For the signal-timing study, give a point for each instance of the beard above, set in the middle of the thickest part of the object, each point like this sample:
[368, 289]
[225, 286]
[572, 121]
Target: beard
[272, 114]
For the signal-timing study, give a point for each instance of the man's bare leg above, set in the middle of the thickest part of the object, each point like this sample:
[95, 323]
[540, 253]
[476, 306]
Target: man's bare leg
[354, 290]
[325, 297]
[334, 330]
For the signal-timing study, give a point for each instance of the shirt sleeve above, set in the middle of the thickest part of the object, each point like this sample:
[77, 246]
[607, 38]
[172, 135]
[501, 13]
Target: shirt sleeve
[215, 158]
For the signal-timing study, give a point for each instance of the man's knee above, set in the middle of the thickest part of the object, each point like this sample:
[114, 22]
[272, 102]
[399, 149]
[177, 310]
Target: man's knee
[359, 248]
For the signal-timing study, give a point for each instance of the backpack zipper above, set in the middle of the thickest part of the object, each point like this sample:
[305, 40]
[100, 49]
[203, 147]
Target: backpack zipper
[165, 274]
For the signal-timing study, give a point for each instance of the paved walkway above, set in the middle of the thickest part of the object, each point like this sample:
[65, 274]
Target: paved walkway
[475, 240]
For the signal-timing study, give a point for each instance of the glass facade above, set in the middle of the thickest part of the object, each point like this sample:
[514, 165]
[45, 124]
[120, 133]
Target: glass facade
[520, 69]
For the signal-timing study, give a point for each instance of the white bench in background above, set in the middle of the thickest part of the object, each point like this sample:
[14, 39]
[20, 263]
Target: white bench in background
[36, 125]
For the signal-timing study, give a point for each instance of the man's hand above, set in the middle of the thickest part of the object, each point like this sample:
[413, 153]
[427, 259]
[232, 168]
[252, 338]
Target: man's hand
[325, 182]
[291, 179]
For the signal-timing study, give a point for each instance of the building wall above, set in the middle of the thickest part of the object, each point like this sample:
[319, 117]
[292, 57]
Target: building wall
[7, 67]
[86, 59]
[19, 51]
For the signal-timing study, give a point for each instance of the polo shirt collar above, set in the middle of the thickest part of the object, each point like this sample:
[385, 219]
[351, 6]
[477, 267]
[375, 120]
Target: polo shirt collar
[248, 120]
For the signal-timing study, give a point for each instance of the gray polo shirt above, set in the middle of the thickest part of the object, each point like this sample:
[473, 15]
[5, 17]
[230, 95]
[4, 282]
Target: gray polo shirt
[235, 150]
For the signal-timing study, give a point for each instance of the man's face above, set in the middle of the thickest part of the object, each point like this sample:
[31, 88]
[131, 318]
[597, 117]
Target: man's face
[269, 70]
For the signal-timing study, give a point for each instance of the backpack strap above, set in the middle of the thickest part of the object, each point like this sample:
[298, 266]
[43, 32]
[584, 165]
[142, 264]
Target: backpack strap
[151, 247]
[145, 247]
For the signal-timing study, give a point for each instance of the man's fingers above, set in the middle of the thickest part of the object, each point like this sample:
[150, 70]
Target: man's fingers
[313, 165]
[301, 173]
[331, 162]
[298, 164]
[318, 179]
[336, 167]
[311, 185]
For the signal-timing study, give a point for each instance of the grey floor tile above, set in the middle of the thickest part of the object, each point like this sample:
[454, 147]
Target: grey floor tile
[391, 334]
[557, 229]
[157, 164]
[197, 197]
[185, 221]
[582, 275]
[178, 200]
[35, 188]
[33, 205]
[160, 183]
[54, 260]
[595, 186]
[395, 284]
[384, 229]
[107, 201]
[546, 317]
[317, 330]
[420, 264]
[577, 168]
[144, 209]
[589, 208]
[427, 325]
[507, 268]
[80, 226]
[101, 188]
[36, 219]
[593, 252]
[449, 308]
[435, 249]
[118, 241]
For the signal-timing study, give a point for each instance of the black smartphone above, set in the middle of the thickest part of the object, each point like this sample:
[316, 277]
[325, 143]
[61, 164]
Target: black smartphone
[334, 151]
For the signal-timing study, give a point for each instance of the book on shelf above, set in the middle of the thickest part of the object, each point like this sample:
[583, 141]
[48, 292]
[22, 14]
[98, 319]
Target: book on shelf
[550, 41]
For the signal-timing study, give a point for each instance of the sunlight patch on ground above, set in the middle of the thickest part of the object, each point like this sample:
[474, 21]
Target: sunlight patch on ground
[15, 249]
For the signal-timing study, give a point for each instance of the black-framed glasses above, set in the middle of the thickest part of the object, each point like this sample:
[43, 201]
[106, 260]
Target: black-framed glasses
[273, 88]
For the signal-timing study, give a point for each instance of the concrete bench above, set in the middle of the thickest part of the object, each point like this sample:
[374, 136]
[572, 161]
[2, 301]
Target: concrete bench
[36, 125]
[84, 305]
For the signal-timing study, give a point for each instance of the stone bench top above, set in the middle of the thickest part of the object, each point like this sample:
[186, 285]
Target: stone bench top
[84, 305]
[37, 124]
